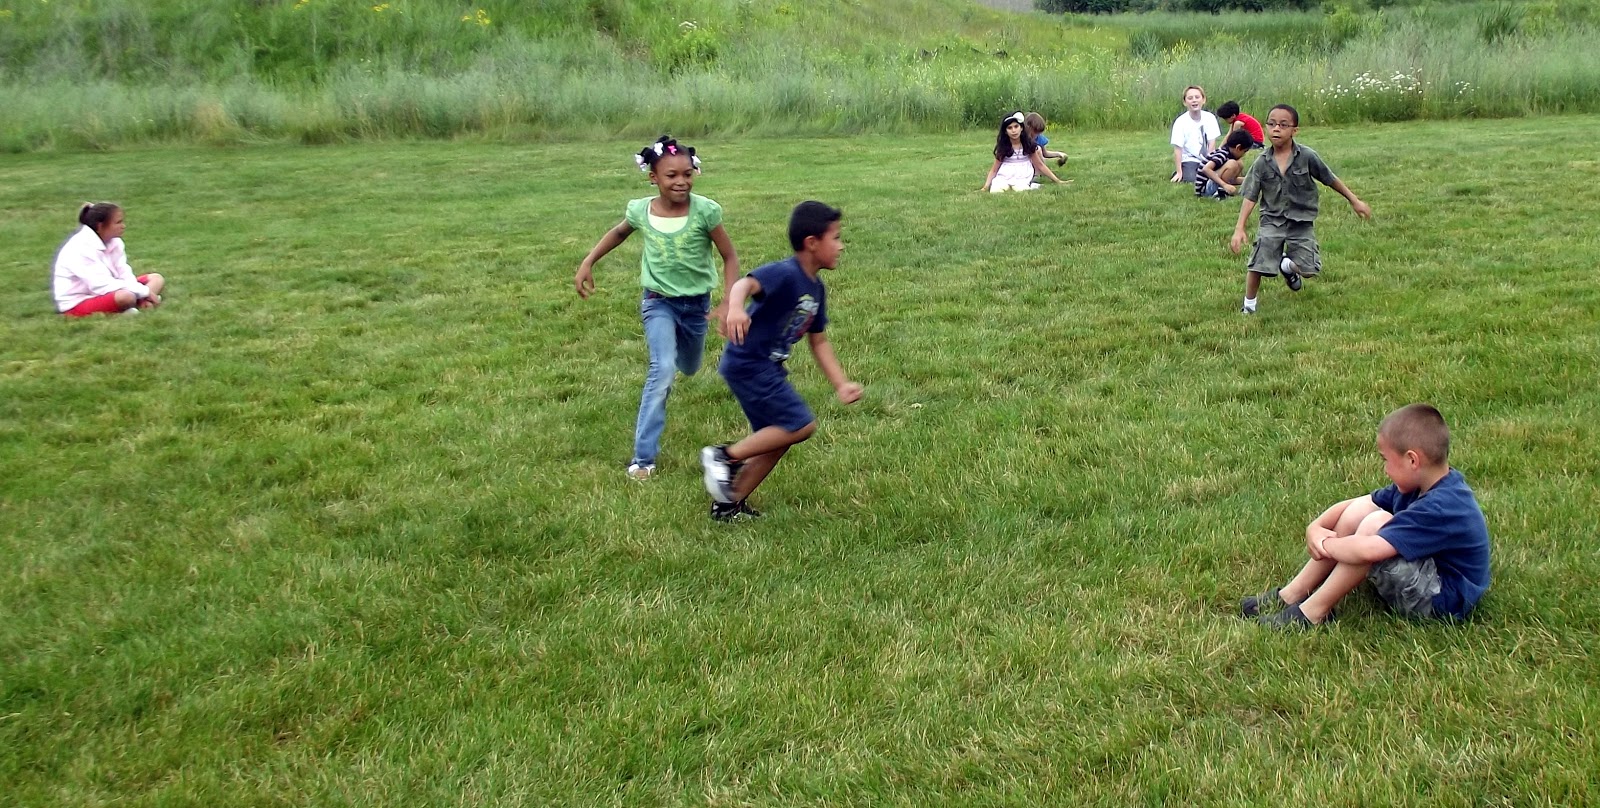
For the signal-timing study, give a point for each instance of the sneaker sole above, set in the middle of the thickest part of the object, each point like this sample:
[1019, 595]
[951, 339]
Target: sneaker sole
[715, 486]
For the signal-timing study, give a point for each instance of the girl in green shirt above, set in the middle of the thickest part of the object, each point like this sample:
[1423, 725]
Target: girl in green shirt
[677, 273]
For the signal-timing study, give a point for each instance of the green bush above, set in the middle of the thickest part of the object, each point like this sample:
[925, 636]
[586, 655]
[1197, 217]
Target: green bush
[1499, 22]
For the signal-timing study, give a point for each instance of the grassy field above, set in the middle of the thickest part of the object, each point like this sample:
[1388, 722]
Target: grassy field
[345, 523]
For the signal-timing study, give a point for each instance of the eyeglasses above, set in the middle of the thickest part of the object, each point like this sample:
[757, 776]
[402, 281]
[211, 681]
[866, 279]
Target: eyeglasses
[1280, 125]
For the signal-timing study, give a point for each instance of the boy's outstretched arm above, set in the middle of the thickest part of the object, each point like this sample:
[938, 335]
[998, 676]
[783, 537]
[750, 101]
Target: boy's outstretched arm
[584, 280]
[1362, 209]
[736, 318]
[730, 275]
[1238, 229]
[822, 350]
[1040, 168]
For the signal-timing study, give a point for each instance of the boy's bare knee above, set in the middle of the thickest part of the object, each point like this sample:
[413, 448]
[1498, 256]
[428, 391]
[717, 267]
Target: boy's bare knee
[1373, 521]
[124, 298]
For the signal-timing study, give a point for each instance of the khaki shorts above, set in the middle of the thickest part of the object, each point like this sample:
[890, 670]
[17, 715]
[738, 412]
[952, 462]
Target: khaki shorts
[1274, 240]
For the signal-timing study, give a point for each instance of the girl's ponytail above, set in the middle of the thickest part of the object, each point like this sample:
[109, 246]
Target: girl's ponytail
[94, 214]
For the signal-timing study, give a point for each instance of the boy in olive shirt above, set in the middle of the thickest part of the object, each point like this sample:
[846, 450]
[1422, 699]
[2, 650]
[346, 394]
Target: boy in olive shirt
[1281, 182]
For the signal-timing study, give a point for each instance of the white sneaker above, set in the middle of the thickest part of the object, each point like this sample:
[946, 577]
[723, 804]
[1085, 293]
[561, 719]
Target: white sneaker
[131, 310]
[720, 471]
[641, 472]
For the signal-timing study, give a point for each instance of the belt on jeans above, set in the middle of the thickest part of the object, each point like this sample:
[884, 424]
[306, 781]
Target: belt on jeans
[651, 294]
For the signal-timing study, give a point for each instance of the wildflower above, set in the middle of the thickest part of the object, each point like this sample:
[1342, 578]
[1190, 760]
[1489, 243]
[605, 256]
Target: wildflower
[381, 7]
[481, 17]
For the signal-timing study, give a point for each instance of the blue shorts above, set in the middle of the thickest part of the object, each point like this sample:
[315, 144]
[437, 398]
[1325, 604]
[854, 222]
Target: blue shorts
[765, 395]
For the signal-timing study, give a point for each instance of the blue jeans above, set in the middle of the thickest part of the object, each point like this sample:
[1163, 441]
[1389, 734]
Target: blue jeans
[675, 332]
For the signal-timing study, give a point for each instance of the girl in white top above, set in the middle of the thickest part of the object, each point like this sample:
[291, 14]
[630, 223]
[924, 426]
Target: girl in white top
[92, 275]
[1194, 135]
[1017, 159]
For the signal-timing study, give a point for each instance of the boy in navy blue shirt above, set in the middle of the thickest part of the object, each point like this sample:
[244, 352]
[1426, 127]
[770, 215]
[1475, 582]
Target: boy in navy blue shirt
[789, 302]
[1422, 541]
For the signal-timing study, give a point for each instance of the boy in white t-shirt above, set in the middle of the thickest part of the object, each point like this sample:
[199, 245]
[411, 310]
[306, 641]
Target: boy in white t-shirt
[1194, 135]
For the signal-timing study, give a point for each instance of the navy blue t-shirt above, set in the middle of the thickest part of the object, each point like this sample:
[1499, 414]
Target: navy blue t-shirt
[1444, 524]
[789, 306]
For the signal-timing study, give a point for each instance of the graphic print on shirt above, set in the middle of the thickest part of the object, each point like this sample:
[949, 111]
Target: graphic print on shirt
[668, 247]
[805, 313]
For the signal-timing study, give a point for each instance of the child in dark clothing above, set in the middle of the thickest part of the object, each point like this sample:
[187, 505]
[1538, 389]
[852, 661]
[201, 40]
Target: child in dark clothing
[1422, 541]
[1220, 173]
[790, 302]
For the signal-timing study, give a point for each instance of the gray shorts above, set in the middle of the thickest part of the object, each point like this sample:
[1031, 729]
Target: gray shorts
[1407, 586]
[1275, 239]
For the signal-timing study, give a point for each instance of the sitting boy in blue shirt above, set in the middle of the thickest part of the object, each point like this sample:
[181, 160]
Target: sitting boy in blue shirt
[789, 302]
[1422, 541]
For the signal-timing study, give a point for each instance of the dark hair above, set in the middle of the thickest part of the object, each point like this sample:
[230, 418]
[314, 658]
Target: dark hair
[810, 219]
[1288, 109]
[663, 147]
[93, 215]
[1002, 143]
[1417, 427]
[1239, 140]
[1228, 109]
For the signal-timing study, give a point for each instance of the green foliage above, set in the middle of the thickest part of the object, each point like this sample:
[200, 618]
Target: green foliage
[345, 522]
[1499, 22]
[100, 73]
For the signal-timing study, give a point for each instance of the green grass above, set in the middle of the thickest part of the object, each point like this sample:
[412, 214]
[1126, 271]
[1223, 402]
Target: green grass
[346, 522]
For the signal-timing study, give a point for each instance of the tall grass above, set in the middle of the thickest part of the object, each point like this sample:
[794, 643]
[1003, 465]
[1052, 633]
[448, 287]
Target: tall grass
[91, 75]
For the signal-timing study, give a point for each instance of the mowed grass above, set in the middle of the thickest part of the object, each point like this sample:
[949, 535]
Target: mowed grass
[346, 522]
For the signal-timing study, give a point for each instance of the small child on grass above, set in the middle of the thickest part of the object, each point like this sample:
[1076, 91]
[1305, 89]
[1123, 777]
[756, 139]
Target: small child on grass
[1282, 182]
[1422, 541]
[1219, 174]
[789, 301]
[1229, 115]
[1035, 124]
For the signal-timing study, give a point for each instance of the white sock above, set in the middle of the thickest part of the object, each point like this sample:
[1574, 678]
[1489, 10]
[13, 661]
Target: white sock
[1287, 265]
[1250, 303]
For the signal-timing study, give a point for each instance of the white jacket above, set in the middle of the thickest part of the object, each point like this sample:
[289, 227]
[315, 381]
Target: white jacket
[88, 267]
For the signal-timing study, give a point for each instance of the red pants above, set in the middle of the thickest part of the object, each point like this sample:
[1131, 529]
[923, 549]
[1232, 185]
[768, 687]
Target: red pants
[99, 304]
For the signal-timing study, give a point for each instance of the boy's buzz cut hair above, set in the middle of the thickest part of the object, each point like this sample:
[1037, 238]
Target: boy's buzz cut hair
[1286, 108]
[1239, 140]
[810, 218]
[1228, 109]
[1417, 427]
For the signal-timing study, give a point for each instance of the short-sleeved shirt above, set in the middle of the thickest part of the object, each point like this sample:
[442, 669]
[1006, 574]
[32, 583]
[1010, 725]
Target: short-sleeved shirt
[1192, 136]
[677, 264]
[1290, 196]
[1443, 523]
[1252, 126]
[1215, 159]
[1041, 141]
[789, 306]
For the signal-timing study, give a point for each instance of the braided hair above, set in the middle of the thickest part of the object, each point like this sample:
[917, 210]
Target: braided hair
[665, 146]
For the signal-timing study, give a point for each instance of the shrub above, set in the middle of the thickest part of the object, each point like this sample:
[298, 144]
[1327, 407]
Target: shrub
[1500, 22]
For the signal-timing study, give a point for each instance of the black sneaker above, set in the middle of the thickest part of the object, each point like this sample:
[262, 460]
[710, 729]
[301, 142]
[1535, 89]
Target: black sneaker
[733, 512]
[1272, 599]
[720, 471]
[1292, 619]
[1291, 275]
